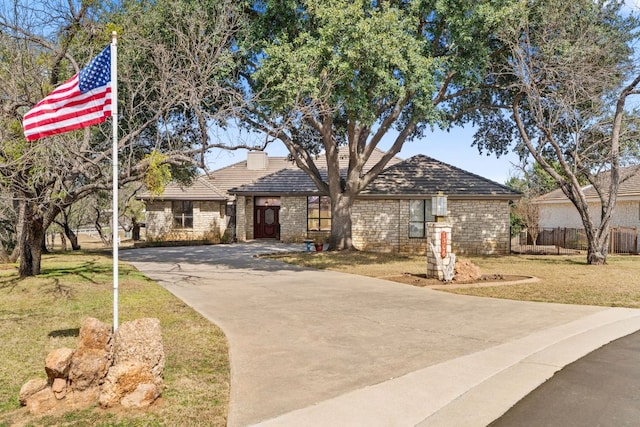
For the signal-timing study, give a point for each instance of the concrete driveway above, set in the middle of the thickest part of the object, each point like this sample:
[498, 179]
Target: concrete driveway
[314, 347]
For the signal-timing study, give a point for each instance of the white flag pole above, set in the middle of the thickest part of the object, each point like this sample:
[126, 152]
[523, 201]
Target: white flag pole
[115, 172]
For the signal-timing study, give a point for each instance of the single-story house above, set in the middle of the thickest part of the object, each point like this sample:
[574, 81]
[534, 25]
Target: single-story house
[390, 215]
[556, 211]
[205, 208]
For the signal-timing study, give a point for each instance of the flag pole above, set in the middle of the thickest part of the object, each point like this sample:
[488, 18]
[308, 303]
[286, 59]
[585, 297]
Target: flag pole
[115, 172]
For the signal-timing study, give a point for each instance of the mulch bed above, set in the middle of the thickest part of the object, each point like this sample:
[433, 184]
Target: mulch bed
[422, 281]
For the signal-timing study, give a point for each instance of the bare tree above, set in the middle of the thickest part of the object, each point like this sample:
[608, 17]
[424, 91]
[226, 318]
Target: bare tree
[174, 62]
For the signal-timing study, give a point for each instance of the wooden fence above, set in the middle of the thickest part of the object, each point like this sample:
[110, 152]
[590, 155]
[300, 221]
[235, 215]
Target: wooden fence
[623, 240]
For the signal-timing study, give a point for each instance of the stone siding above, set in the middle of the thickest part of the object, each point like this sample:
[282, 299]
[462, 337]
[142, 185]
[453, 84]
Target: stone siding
[158, 218]
[207, 221]
[293, 219]
[241, 219]
[377, 223]
[478, 227]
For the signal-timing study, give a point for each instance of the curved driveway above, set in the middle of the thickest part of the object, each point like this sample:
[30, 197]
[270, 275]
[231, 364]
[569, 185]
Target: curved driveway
[314, 347]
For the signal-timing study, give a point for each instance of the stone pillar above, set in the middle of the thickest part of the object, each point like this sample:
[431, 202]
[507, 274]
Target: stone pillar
[436, 239]
[241, 219]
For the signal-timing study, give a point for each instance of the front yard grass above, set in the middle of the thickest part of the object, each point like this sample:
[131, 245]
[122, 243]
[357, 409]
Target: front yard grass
[563, 279]
[42, 313]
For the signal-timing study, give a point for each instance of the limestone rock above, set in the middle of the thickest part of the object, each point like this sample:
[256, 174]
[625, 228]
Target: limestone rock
[123, 379]
[143, 396]
[94, 335]
[59, 388]
[92, 359]
[122, 369]
[57, 363]
[141, 340]
[42, 402]
[30, 388]
[81, 399]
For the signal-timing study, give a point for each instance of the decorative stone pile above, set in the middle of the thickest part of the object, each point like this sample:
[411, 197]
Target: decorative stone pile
[125, 368]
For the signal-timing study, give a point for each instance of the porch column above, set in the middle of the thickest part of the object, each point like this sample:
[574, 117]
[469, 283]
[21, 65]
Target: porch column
[241, 219]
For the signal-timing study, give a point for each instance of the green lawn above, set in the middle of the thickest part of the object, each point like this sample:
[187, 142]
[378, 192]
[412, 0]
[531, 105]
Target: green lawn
[563, 279]
[42, 313]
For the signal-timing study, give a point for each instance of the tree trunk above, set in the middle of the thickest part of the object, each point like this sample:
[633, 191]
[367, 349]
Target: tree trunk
[597, 245]
[341, 224]
[4, 257]
[73, 238]
[31, 241]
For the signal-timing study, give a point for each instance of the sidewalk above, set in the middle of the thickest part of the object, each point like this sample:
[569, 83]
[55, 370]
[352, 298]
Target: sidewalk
[324, 348]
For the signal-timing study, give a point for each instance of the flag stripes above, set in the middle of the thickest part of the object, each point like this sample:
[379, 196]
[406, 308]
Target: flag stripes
[84, 100]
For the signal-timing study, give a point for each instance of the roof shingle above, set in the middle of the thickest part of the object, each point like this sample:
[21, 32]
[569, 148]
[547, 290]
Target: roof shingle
[418, 176]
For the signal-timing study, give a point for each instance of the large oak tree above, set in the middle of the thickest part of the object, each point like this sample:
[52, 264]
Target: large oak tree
[324, 76]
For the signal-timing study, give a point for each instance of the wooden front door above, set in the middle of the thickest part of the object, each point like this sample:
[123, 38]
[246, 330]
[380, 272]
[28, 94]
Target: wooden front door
[266, 224]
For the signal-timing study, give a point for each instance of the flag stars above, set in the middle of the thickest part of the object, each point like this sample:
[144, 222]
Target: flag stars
[97, 73]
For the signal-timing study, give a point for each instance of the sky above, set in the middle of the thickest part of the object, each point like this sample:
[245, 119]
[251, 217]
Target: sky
[452, 147]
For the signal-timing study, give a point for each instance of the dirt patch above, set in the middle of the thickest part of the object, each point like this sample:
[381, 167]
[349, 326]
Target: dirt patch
[421, 280]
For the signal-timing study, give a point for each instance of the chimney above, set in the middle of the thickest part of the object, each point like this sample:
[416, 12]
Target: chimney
[257, 160]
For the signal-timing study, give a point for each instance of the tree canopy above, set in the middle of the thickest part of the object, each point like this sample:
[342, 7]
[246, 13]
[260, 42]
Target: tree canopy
[561, 96]
[321, 76]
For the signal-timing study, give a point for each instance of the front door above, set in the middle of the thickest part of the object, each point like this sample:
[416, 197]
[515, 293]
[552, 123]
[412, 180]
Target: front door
[266, 222]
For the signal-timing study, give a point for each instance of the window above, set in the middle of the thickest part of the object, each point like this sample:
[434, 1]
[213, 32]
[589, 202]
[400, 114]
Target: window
[182, 213]
[419, 215]
[318, 213]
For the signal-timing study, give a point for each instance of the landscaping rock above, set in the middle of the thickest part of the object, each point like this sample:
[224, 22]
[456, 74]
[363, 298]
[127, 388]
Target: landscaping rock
[92, 358]
[141, 340]
[42, 402]
[143, 396]
[123, 369]
[59, 388]
[122, 380]
[80, 399]
[57, 363]
[30, 388]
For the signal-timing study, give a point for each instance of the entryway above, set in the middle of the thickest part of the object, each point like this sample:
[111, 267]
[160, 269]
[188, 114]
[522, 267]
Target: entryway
[266, 218]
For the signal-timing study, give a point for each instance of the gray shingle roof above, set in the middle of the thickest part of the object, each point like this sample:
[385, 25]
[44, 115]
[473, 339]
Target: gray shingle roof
[216, 184]
[237, 174]
[418, 176]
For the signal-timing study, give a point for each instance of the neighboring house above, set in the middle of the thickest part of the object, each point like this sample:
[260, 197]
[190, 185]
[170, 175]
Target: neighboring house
[280, 201]
[556, 211]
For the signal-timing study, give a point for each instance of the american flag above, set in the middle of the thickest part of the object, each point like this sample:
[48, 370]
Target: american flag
[81, 101]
